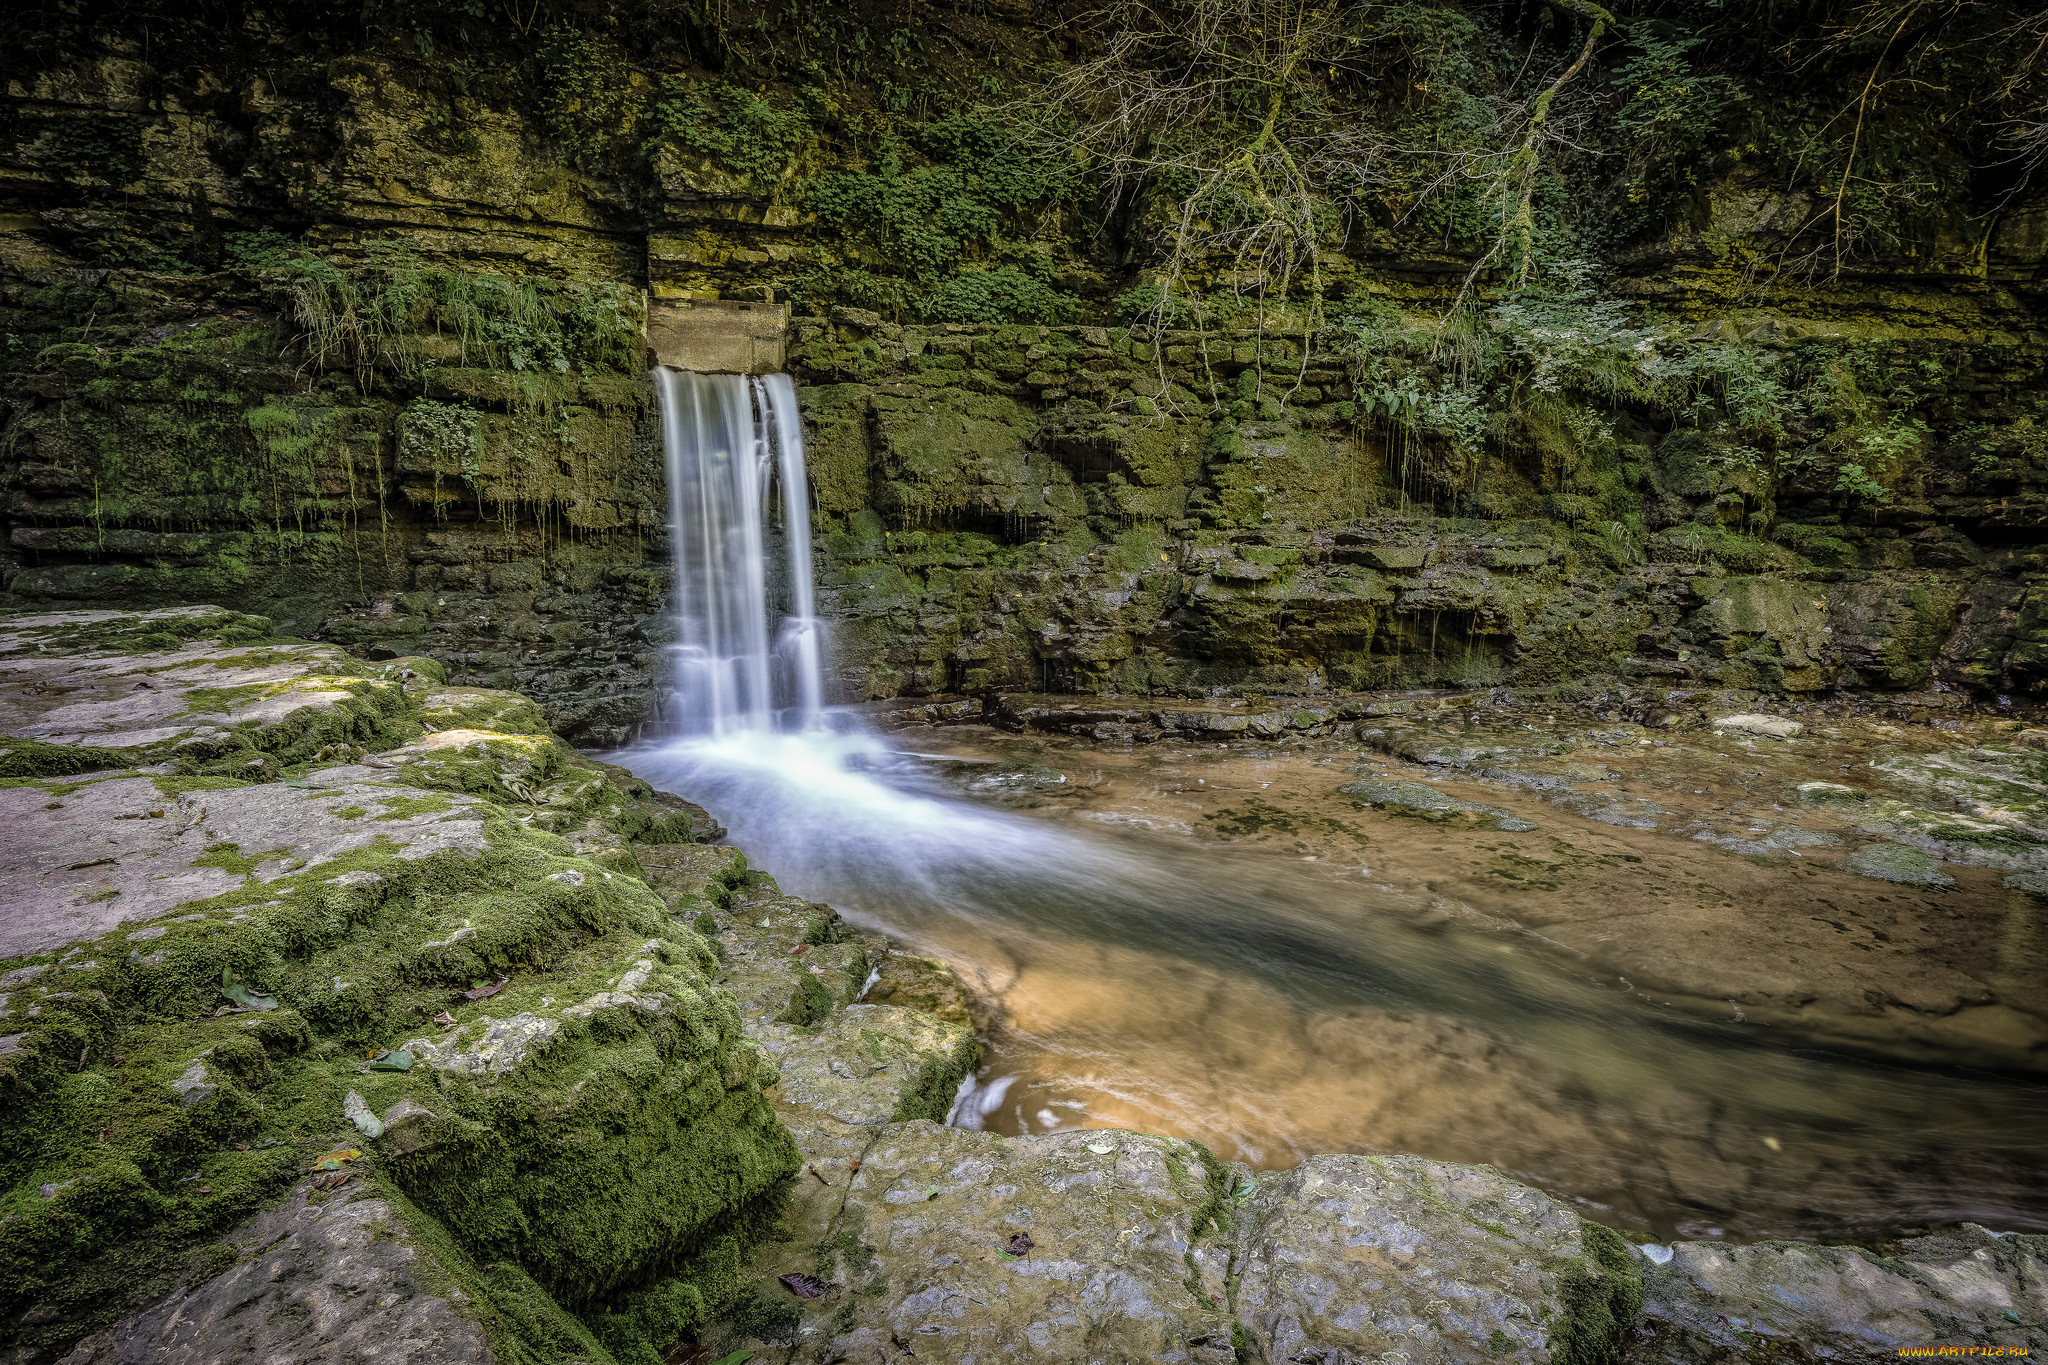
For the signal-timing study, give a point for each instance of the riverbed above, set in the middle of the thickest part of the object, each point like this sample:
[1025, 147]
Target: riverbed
[1643, 970]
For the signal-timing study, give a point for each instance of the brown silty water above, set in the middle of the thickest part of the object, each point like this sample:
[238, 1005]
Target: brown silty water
[1633, 967]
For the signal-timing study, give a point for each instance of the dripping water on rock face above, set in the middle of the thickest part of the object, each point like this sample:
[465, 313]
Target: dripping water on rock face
[730, 440]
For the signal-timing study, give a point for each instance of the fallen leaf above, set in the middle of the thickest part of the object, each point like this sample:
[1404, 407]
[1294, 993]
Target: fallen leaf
[358, 1111]
[241, 1146]
[334, 1159]
[1021, 1244]
[1100, 1148]
[242, 995]
[805, 1286]
[797, 951]
[486, 992]
[445, 1020]
[206, 1189]
[333, 1180]
[400, 1060]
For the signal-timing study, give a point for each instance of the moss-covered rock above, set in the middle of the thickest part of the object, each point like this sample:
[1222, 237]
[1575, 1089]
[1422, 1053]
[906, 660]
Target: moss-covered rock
[236, 973]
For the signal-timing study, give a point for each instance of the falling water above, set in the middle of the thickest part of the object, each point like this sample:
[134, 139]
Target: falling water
[727, 437]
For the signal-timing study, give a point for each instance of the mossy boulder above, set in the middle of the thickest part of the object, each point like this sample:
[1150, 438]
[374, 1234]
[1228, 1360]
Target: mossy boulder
[429, 952]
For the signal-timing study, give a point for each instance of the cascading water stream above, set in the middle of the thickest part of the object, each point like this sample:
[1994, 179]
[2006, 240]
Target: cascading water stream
[726, 436]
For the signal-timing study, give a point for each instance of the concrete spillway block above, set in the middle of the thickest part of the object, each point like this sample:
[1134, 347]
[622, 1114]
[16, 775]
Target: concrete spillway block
[717, 336]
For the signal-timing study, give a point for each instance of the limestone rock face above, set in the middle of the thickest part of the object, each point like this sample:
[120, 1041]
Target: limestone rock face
[1967, 1289]
[124, 849]
[870, 1064]
[1356, 1257]
[333, 1283]
[1066, 1246]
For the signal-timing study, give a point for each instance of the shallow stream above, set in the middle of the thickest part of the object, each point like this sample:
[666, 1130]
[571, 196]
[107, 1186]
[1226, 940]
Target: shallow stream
[1633, 973]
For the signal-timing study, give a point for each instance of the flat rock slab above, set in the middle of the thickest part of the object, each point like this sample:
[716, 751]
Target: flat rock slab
[319, 1284]
[1768, 727]
[83, 858]
[1350, 1258]
[1070, 1247]
[1969, 1288]
[84, 689]
[1898, 863]
[869, 1064]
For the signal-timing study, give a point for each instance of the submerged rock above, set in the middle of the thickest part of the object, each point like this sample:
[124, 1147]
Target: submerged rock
[1831, 794]
[1419, 800]
[1898, 863]
[1769, 727]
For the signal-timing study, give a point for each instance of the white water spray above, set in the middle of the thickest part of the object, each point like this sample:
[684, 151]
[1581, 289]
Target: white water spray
[727, 438]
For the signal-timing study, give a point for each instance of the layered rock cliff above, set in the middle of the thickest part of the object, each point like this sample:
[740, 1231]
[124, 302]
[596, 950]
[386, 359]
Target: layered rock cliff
[336, 316]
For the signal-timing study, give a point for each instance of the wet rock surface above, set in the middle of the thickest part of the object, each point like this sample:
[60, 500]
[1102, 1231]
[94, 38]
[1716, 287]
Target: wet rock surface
[1968, 1291]
[1350, 1257]
[951, 1245]
[323, 1283]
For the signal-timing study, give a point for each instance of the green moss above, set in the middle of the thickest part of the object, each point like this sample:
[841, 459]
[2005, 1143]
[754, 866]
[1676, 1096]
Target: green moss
[221, 700]
[525, 1324]
[178, 786]
[32, 758]
[930, 1094]
[230, 858]
[406, 807]
[1601, 1293]
[642, 1328]
[809, 1001]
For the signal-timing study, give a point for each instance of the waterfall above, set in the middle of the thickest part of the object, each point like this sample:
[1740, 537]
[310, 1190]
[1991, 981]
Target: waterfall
[727, 438]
